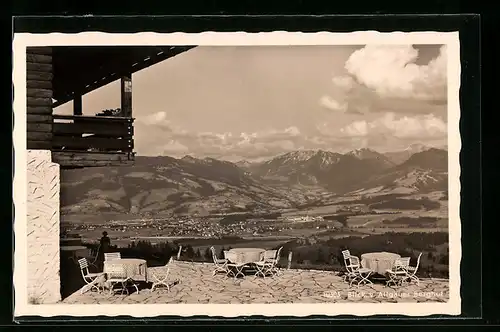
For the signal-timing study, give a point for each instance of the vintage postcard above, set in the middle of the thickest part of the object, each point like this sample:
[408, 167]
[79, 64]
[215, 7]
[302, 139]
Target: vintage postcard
[231, 174]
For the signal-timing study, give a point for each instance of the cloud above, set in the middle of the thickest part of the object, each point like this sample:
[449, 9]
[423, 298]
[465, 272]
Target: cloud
[386, 78]
[343, 82]
[357, 128]
[158, 118]
[424, 127]
[390, 70]
[156, 135]
[332, 104]
[173, 147]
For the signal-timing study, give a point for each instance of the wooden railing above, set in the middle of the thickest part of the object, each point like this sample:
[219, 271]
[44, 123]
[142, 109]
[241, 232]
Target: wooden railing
[92, 133]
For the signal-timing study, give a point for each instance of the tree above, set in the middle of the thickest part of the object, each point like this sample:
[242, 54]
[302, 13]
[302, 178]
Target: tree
[197, 253]
[208, 255]
[320, 256]
[298, 258]
[189, 251]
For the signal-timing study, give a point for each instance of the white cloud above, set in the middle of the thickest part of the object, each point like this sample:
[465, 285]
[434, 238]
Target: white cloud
[391, 71]
[406, 127]
[344, 82]
[173, 147]
[158, 118]
[162, 138]
[357, 128]
[332, 104]
[157, 136]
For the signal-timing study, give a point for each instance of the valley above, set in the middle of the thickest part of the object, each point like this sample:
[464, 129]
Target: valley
[299, 194]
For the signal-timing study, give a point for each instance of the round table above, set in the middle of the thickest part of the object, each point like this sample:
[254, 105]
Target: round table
[379, 262]
[135, 268]
[76, 251]
[246, 255]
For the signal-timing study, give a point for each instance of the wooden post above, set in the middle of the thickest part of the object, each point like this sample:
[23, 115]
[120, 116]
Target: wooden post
[126, 95]
[77, 105]
[289, 260]
[179, 253]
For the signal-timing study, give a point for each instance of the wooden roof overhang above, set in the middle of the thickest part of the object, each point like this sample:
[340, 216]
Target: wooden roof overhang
[78, 70]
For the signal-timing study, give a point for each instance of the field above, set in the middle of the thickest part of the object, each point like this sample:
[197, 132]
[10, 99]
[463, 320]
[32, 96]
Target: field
[346, 216]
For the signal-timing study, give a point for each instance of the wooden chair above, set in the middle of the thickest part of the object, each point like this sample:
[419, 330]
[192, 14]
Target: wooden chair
[220, 263]
[159, 275]
[117, 276]
[266, 263]
[109, 256]
[89, 278]
[412, 271]
[399, 272]
[354, 270]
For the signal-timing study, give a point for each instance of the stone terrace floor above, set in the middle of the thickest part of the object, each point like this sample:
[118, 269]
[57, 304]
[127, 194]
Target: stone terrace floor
[197, 285]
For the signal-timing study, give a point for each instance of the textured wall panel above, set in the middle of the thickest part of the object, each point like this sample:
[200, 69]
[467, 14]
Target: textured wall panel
[43, 228]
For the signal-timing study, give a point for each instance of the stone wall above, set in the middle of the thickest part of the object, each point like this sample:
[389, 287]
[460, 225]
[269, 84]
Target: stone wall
[43, 228]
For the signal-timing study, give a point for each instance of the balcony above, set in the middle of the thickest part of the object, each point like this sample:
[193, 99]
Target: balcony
[92, 141]
[60, 74]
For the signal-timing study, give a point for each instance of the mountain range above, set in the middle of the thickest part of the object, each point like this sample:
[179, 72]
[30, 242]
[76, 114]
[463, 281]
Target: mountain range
[203, 186]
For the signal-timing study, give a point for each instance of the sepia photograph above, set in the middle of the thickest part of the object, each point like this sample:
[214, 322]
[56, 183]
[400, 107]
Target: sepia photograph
[243, 173]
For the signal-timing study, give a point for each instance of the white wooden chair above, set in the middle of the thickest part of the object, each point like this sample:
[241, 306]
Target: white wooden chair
[94, 256]
[351, 264]
[117, 276]
[355, 272]
[275, 260]
[220, 263]
[159, 275]
[89, 278]
[412, 271]
[266, 263]
[232, 266]
[399, 272]
[109, 256]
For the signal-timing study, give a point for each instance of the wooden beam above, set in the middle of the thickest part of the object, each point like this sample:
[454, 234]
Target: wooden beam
[96, 156]
[126, 95]
[39, 58]
[34, 101]
[39, 118]
[39, 76]
[38, 144]
[39, 136]
[39, 67]
[92, 143]
[40, 127]
[92, 118]
[91, 163]
[77, 105]
[115, 129]
[39, 93]
[39, 109]
[39, 84]
[39, 50]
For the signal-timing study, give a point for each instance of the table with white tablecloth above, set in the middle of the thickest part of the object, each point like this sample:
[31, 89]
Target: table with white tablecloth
[134, 268]
[76, 252]
[379, 262]
[245, 255]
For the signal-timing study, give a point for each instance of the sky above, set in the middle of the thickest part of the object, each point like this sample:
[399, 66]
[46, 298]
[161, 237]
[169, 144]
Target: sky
[255, 102]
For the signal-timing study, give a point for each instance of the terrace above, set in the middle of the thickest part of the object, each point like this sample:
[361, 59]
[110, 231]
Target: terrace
[193, 283]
